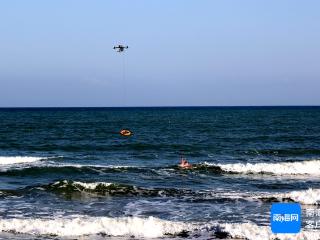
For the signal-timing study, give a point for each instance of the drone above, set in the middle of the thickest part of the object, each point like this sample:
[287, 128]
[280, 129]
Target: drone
[120, 48]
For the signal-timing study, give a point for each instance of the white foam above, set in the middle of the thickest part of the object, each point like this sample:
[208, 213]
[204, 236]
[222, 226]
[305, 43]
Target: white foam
[91, 186]
[311, 167]
[19, 159]
[150, 227]
[81, 225]
[308, 197]
[252, 231]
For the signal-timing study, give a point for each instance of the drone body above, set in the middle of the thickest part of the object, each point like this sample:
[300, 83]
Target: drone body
[120, 48]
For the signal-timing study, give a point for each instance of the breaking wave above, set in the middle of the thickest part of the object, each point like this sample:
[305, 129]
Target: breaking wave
[306, 197]
[17, 163]
[82, 225]
[252, 231]
[65, 187]
[68, 188]
[19, 159]
[104, 188]
[311, 167]
[149, 227]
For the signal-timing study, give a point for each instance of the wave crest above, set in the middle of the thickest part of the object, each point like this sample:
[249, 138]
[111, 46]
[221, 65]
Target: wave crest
[19, 159]
[104, 188]
[308, 197]
[311, 167]
[126, 226]
[252, 231]
[149, 227]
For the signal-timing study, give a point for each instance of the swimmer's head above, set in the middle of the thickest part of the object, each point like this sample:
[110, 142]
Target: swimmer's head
[183, 161]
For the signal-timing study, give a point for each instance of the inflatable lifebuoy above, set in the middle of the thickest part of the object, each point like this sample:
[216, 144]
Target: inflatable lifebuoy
[125, 132]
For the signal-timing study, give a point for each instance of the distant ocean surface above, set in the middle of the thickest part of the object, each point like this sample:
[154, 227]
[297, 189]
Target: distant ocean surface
[66, 173]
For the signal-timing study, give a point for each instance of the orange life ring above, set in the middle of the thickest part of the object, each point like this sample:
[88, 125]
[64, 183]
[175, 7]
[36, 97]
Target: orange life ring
[125, 132]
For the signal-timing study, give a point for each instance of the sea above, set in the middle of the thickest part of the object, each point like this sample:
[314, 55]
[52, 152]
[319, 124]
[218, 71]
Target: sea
[67, 173]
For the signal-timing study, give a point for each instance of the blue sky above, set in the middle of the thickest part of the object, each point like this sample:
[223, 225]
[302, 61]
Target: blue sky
[181, 52]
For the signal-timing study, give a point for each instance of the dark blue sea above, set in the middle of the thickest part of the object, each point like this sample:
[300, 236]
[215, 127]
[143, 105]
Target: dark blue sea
[67, 173]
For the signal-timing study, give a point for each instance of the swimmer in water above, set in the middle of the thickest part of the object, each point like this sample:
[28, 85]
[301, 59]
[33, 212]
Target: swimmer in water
[184, 164]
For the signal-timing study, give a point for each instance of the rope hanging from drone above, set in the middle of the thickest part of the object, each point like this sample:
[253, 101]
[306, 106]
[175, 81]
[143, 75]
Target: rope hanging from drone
[121, 49]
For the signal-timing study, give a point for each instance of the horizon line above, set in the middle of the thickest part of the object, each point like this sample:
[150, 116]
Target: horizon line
[178, 106]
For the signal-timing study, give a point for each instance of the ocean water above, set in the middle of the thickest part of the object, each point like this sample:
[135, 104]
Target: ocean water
[68, 174]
